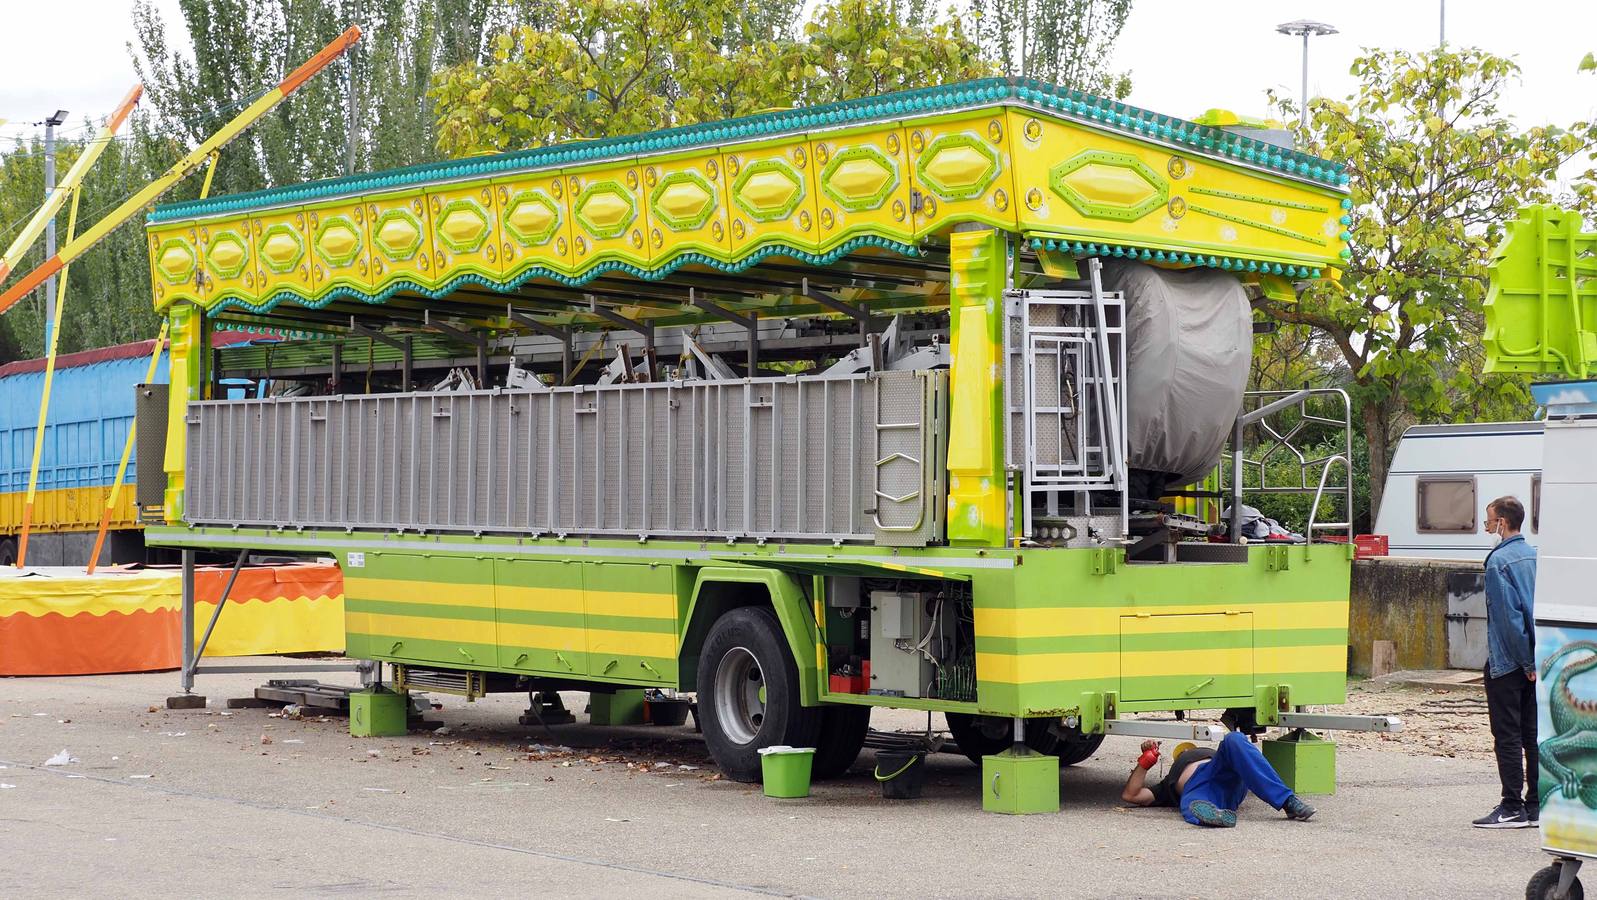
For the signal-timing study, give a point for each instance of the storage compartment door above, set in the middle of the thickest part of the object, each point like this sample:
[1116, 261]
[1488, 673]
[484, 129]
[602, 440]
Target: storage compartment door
[1194, 656]
[418, 607]
[632, 622]
[539, 616]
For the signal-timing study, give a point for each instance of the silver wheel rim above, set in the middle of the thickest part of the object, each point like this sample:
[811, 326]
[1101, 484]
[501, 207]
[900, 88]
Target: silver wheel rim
[739, 695]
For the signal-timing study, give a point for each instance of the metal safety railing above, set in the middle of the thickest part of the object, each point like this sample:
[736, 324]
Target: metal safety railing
[1310, 472]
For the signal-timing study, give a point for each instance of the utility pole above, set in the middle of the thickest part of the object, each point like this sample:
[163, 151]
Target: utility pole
[1305, 28]
[1441, 34]
[50, 124]
[351, 102]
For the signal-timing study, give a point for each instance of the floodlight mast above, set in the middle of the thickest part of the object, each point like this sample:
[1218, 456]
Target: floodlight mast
[1305, 28]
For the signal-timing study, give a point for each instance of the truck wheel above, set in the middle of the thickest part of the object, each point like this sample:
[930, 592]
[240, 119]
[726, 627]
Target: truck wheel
[842, 736]
[1544, 883]
[979, 736]
[1077, 748]
[749, 693]
[8, 552]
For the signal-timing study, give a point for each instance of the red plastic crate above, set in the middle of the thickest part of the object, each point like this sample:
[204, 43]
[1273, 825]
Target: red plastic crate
[1368, 545]
[848, 684]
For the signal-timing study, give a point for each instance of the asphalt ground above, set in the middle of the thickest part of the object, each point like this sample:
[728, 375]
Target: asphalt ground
[246, 803]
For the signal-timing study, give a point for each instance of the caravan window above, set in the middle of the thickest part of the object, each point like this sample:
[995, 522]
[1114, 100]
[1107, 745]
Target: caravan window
[1536, 503]
[1446, 505]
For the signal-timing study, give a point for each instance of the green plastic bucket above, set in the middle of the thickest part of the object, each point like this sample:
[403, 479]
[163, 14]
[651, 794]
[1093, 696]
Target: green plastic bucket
[786, 770]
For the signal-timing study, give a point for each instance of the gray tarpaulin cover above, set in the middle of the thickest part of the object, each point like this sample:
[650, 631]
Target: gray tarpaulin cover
[1187, 356]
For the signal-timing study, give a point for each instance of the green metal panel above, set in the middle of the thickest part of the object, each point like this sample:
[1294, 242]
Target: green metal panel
[1541, 308]
[540, 617]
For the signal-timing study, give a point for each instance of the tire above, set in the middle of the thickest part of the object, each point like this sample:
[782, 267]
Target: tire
[979, 736]
[8, 552]
[1542, 885]
[1077, 748]
[842, 737]
[749, 693]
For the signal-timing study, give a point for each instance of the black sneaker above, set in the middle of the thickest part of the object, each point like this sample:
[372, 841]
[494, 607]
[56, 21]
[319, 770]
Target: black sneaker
[1533, 814]
[1295, 808]
[1504, 816]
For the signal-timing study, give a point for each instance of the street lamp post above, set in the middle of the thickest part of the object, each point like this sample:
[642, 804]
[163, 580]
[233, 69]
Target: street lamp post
[50, 124]
[1305, 28]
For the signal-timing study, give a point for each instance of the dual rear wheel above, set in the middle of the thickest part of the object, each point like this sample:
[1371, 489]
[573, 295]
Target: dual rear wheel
[749, 698]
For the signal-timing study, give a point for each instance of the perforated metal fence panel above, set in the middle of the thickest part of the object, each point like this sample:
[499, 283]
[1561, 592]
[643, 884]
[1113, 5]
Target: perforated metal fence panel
[766, 458]
[149, 444]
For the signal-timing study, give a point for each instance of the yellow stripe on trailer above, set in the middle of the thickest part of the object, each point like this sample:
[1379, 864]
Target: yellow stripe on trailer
[1034, 668]
[1078, 622]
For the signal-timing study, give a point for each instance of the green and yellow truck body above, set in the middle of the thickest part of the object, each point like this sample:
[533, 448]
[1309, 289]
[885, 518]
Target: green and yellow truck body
[934, 203]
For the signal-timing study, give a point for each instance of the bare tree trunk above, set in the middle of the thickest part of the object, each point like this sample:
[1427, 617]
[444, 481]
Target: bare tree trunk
[1377, 437]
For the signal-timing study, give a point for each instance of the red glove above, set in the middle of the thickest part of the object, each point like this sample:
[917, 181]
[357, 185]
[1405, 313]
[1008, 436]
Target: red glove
[1148, 759]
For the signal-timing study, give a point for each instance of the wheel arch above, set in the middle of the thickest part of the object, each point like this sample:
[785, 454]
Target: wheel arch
[720, 589]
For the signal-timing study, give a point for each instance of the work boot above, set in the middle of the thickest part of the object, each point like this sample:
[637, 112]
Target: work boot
[1211, 815]
[1506, 815]
[1295, 808]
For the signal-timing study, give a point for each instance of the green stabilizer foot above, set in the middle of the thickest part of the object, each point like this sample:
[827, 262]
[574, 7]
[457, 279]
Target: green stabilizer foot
[1020, 783]
[378, 713]
[619, 708]
[1306, 762]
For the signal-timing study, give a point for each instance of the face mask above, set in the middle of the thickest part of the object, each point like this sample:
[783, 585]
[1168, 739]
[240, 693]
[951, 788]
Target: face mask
[1497, 538]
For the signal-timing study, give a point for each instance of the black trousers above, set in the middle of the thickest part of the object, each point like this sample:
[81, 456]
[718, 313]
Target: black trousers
[1511, 707]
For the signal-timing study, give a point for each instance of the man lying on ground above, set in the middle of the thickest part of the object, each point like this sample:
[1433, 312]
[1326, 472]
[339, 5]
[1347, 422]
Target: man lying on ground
[1209, 784]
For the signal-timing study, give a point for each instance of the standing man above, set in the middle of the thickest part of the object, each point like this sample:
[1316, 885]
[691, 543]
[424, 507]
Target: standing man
[1511, 665]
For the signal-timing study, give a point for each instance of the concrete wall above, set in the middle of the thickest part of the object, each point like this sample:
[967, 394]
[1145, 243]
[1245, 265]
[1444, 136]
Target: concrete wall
[1404, 601]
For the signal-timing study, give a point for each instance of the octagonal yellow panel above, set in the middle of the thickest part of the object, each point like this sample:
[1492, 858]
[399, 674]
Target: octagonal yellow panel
[226, 259]
[687, 207]
[534, 224]
[340, 246]
[959, 170]
[174, 262]
[864, 186]
[609, 220]
[1120, 190]
[283, 253]
[771, 197]
[401, 245]
[465, 225]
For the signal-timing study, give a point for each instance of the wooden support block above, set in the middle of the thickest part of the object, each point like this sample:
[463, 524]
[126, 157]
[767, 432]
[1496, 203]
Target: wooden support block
[1383, 658]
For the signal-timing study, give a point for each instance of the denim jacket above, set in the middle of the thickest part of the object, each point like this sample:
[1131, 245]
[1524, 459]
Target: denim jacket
[1510, 608]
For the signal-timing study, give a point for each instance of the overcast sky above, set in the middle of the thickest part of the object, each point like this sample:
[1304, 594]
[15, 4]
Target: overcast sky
[1184, 57]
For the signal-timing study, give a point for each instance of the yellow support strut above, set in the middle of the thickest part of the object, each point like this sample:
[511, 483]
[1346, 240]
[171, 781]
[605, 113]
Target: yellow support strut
[69, 183]
[179, 171]
[44, 398]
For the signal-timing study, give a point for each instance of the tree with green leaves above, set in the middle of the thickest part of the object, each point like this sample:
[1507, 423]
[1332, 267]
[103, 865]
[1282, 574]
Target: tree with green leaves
[1066, 42]
[1437, 167]
[598, 68]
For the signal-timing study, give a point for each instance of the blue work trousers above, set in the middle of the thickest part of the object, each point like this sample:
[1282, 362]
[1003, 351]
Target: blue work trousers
[1237, 767]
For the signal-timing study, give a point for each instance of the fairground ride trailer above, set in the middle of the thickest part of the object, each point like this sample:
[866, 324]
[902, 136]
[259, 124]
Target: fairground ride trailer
[809, 412]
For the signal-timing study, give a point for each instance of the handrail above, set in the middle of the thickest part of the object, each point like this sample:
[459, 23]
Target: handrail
[1314, 510]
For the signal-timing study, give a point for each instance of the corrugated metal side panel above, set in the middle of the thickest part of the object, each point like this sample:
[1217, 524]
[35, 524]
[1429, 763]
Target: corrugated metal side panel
[774, 457]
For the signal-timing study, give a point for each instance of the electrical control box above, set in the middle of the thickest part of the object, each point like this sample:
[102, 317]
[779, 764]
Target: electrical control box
[911, 635]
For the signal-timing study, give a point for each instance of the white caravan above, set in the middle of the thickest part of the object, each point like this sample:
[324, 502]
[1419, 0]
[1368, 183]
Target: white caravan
[1441, 479]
